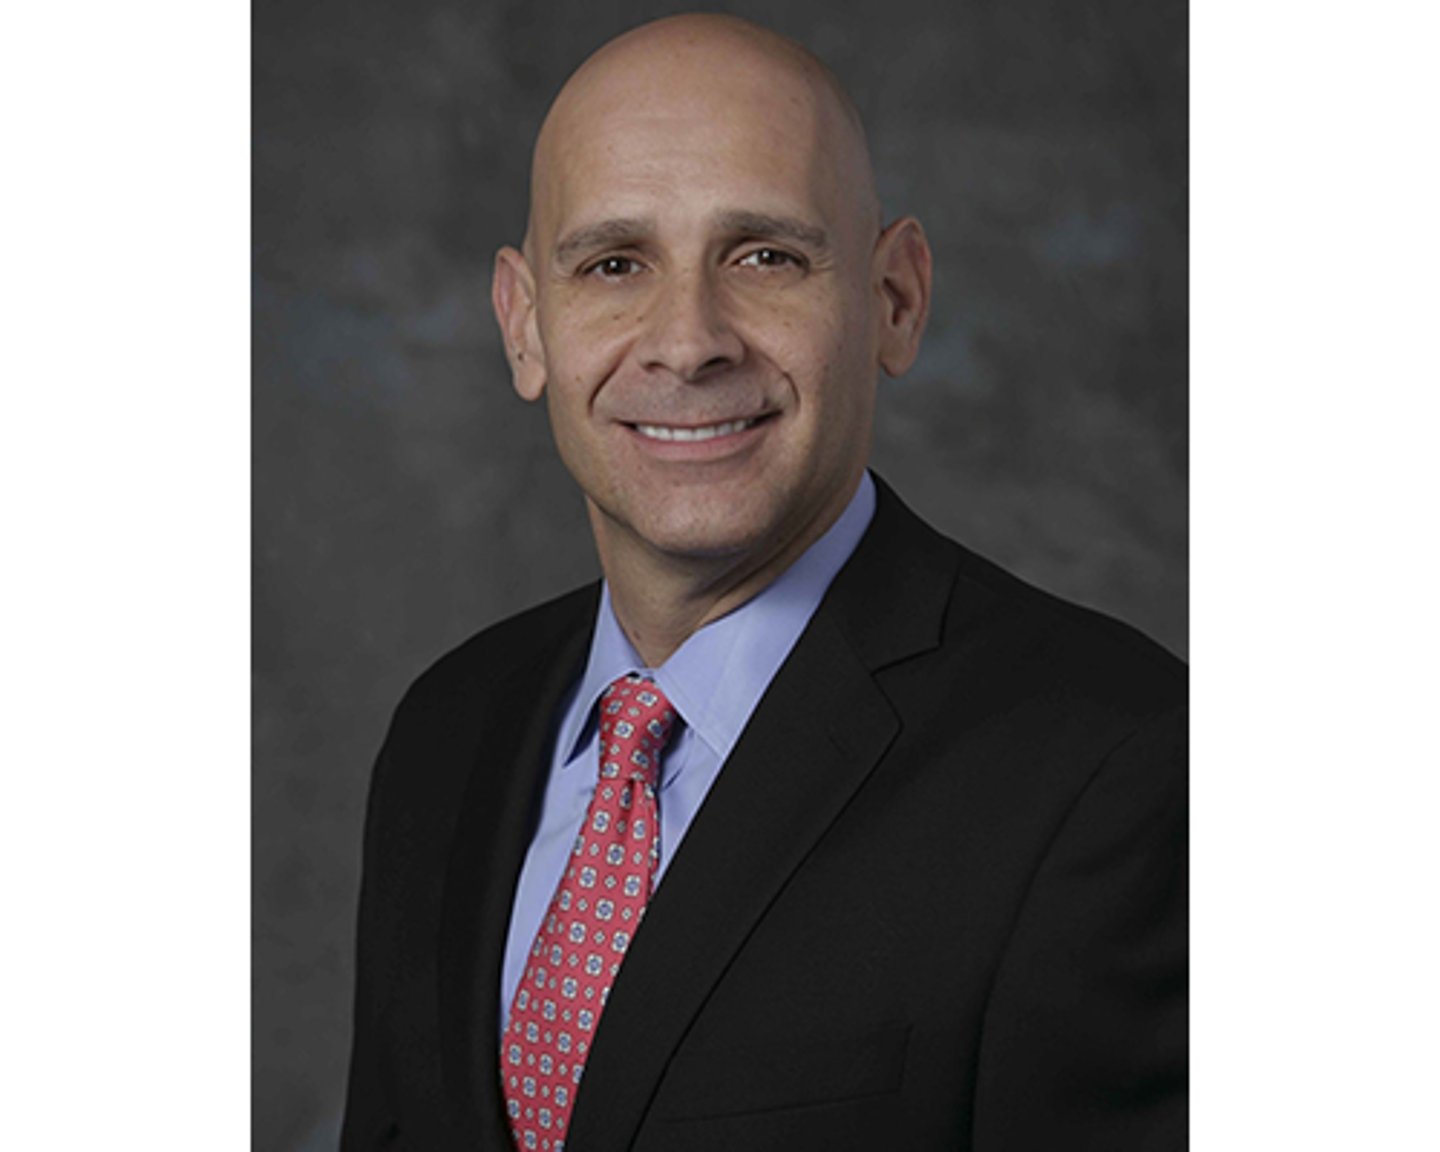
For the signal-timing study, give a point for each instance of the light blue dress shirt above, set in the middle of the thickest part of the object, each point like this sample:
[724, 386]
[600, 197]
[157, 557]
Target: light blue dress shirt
[714, 680]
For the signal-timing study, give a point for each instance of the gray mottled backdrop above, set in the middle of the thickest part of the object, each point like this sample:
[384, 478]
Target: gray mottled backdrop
[403, 497]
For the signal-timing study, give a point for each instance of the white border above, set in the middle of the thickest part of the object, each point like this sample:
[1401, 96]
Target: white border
[1314, 635]
[125, 845]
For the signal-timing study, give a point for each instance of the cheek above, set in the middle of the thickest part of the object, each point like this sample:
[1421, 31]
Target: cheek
[819, 354]
[797, 334]
[582, 354]
[573, 311]
[836, 372]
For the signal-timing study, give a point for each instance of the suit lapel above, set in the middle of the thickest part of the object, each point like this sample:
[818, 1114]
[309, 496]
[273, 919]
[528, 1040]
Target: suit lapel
[492, 835]
[817, 734]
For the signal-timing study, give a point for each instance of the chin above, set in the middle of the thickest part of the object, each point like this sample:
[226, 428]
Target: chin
[688, 533]
[727, 522]
[702, 540]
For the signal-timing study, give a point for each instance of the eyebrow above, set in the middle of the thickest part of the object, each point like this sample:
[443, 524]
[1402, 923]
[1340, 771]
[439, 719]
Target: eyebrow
[762, 225]
[621, 231]
[604, 234]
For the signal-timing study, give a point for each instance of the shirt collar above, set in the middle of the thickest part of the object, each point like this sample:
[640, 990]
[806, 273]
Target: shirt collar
[716, 678]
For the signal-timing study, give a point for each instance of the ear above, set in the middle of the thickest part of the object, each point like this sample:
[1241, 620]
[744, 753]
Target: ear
[902, 287]
[512, 294]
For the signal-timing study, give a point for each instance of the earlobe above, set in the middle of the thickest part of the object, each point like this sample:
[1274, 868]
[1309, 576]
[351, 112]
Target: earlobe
[902, 284]
[512, 295]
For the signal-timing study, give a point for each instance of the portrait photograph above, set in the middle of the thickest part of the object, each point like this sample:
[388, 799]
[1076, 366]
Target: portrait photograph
[407, 496]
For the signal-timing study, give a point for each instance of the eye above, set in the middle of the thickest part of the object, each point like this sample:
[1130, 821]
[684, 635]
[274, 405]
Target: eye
[769, 258]
[612, 267]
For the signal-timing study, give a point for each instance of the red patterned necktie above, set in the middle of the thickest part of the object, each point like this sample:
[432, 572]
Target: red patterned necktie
[592, 916]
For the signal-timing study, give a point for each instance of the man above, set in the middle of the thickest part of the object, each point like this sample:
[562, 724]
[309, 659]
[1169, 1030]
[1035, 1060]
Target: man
[906, 835]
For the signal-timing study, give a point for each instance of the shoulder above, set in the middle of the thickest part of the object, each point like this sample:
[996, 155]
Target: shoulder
[526, 644]
[1064, 645]
[927, 607]
[473, 694]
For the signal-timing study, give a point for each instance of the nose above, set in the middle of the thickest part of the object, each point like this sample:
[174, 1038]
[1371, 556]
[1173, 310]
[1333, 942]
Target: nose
[688, 331]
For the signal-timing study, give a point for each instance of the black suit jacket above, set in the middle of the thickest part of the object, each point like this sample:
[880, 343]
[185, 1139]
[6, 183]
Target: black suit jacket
[935, 900]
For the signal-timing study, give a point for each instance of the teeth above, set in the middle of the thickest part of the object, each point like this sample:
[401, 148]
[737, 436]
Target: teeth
[709, 432]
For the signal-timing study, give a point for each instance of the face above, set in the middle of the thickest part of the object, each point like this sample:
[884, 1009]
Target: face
[701, 306]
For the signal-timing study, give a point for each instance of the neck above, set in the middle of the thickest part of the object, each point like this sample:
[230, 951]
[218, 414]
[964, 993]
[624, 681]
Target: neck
[660, 599]
[661, 606]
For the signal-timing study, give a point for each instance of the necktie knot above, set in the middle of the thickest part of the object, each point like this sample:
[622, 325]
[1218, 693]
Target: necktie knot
[636, 720]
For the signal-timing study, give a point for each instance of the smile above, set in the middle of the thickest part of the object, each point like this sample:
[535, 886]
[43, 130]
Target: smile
[706, 432]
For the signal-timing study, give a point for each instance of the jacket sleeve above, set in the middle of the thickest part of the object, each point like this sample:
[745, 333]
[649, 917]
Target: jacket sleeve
[1085, 1035]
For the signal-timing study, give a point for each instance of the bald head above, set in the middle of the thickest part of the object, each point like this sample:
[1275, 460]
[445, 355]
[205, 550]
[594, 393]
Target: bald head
[709, 74]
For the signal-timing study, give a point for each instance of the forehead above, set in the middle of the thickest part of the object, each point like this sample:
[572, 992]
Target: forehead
[662, 145]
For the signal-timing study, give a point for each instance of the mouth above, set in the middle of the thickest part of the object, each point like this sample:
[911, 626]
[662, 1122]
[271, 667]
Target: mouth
[676, 433]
